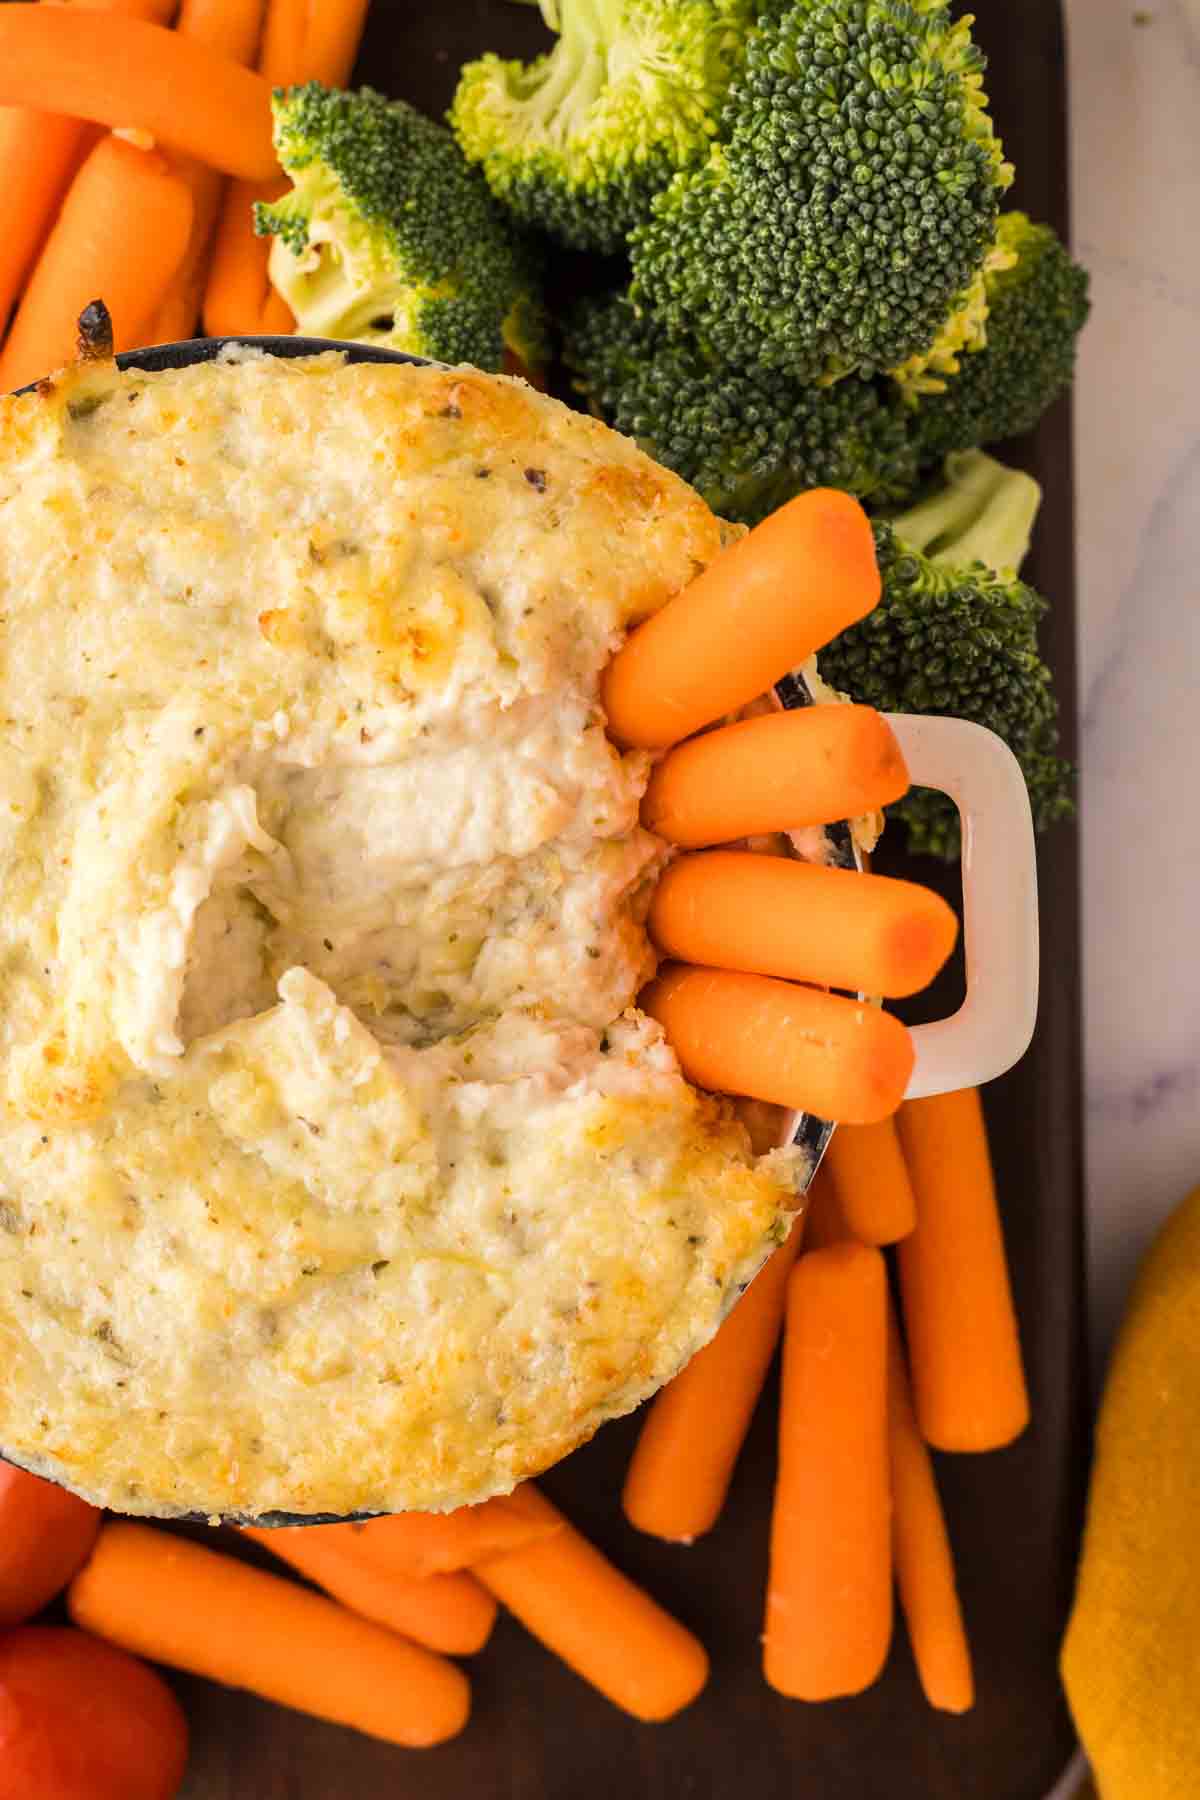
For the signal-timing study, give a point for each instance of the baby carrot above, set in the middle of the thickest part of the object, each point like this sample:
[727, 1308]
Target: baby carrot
[124, 72]
[824, 1221]
[419, 1544]
[772, 915]
[39, 153]
[867, 1168]
[694, 1429]
[778, 772]
[170, 1600]
[229, 28]
[331, 41]
[450, 1613]
[965, 1354]
[601, 1625]
[303, 40]
[120, 236]
[921, 1551]
[764, 605]
[829, 1589]
[750, 1034]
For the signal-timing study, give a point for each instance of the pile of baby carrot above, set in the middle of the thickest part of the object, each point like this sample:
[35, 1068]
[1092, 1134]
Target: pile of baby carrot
[856, 1503]
[81, 1719]
[758, 942]
[135, 136]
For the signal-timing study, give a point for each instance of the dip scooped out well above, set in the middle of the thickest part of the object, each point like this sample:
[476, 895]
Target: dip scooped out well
[335, 1172]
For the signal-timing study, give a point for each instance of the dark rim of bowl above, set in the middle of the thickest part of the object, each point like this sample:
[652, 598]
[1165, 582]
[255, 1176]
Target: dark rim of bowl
[811, 1134]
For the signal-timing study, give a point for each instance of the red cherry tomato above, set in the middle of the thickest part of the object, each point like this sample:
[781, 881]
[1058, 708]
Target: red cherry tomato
[81, 1720]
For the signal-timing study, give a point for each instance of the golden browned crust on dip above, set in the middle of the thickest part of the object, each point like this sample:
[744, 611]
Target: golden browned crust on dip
[335, 1171]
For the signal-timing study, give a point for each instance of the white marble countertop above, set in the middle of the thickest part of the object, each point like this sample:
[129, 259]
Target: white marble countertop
[1134, 74]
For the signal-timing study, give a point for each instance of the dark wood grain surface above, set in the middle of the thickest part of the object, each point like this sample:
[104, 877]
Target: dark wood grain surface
[537, 1733]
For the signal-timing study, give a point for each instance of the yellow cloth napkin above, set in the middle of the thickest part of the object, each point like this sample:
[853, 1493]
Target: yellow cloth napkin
[1131, 1656]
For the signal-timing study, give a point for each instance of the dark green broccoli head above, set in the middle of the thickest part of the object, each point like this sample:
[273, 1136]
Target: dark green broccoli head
[577, 142]
[388, 236]
[1037, 304]
[746, 441]
[956, 633]
[849, 203]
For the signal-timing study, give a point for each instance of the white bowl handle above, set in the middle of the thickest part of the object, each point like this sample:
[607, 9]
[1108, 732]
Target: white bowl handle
[995, 1022]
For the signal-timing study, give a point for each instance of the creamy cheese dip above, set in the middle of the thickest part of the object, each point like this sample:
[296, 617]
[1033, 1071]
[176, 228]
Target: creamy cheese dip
[336, 1170]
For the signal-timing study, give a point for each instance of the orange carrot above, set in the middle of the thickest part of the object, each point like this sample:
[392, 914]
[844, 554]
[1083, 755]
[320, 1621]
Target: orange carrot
[168, 1599]
[332, 38]
[120, 236]
[765, 604]
[124, 72]
[829, 1590]
[874, 1192]
[921, 1551]
[303, 40]
[602, 1626]
[694, 1429]
[39, 153]
[750, 1034]
[239, 290]
[45, 1533]
[773, 915]
[968, 1382]
[229, 28]
[450, 1613]
[415, 1545]
[824, 1221]
[778, 772]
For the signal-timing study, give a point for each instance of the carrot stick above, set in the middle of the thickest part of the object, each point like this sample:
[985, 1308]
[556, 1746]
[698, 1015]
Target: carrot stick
[765, 604]
[749, 1034]
[824, 1221]
[593, 1617]
[450, 1613]
[416, 1545]
[124, 72]
[772, 915]
[303, 40]
[921, 1551]
[239, 288]
[829, 1590]
[968, 1382]
[229, 28]
[694, 1429]
[39, 153]
[168, 1599]
[778, 772]
[120, 236]
[870, 1175]
[331, 43]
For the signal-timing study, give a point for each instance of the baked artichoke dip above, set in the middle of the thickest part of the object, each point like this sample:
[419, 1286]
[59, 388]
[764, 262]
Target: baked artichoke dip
[337, 1171]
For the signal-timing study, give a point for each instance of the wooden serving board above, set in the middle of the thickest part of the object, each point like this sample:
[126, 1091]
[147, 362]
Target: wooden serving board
[537, 1733]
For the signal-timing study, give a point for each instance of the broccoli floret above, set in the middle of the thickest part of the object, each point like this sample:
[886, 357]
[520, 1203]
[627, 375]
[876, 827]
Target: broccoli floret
[849, 202]
[578, 141]
[389, 237]
[1037, 302]
[747, 441]
[956, 633]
